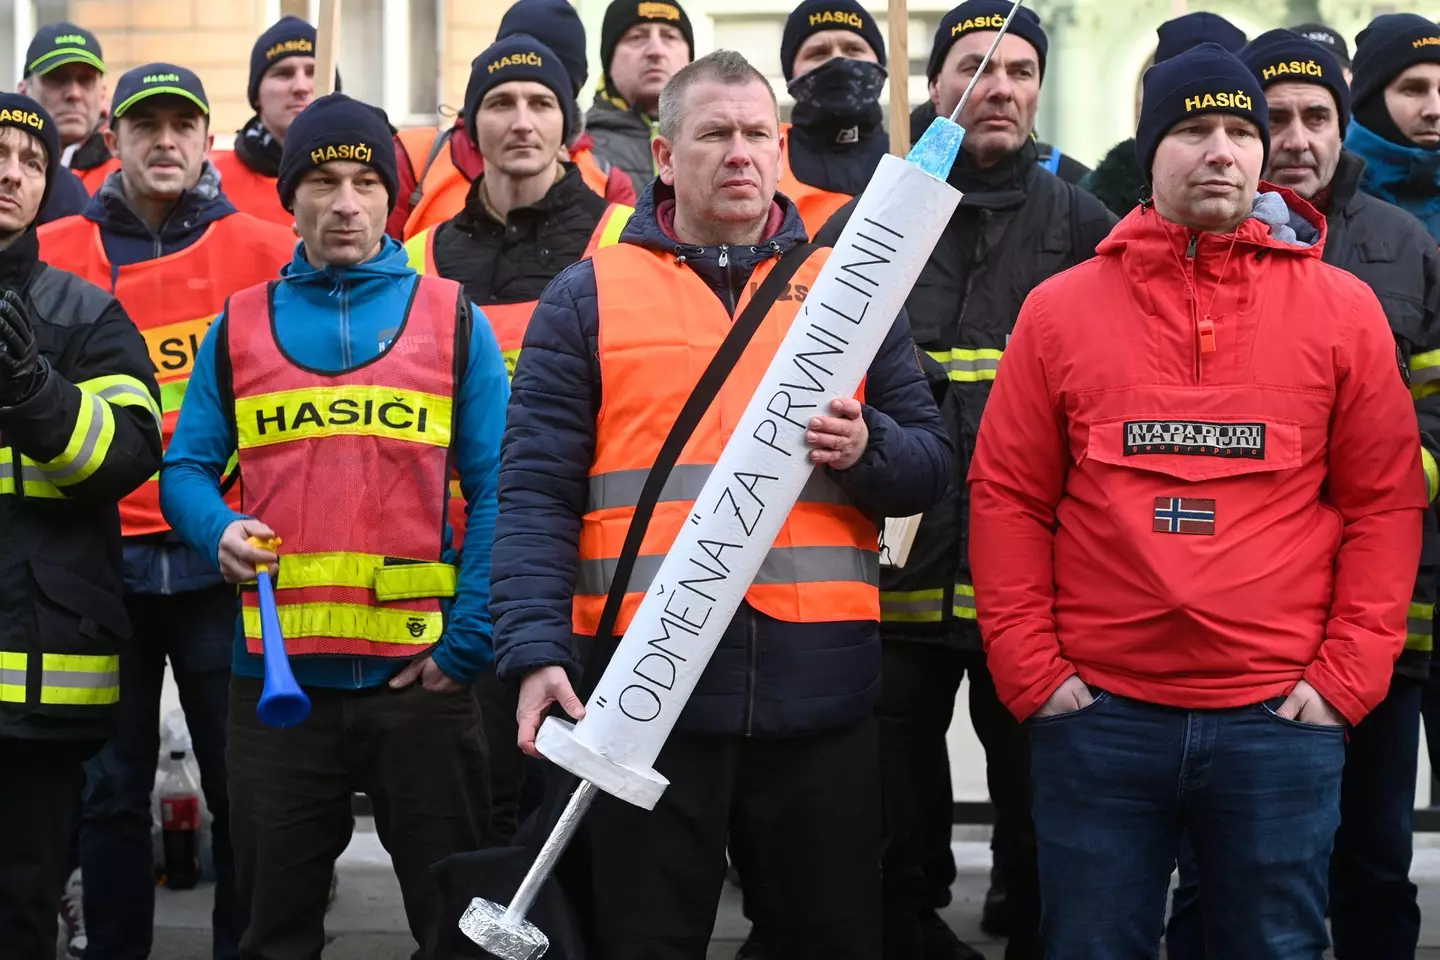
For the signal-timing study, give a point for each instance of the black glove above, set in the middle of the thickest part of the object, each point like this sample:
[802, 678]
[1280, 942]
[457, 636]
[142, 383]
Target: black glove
[22, 371]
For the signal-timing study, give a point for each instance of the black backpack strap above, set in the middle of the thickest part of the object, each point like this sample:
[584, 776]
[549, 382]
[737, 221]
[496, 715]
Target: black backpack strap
[440, 142]
[706, 389]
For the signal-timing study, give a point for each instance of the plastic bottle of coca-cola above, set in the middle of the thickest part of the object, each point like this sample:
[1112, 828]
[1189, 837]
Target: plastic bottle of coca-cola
[180, 822]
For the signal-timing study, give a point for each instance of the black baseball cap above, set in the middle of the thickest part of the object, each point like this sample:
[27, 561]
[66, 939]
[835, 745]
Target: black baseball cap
[57, 44]
[154, 80]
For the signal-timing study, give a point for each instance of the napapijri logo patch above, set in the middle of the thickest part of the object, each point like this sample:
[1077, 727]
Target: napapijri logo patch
[1195, 438]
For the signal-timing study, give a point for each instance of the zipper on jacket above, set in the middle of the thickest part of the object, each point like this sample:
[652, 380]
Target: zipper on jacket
[752, 669]
[723, 262]
[1194, 300]
[345, 356]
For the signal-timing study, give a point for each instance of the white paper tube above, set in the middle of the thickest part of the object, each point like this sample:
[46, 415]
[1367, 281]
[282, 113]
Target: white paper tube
[761, 471]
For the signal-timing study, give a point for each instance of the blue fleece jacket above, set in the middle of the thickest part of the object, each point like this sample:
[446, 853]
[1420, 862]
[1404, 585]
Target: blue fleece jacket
[162, 564]
[1408, 177]
[334, 319]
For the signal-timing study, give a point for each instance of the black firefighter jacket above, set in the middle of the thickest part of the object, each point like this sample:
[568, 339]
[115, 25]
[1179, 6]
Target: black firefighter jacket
[1395, 255]
[68, 454]
[1017, 225]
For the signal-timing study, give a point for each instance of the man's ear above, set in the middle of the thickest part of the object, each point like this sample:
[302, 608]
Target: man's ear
[664, 160]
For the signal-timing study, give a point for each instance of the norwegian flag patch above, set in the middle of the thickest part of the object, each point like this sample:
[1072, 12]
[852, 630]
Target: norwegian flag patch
[1185, 515]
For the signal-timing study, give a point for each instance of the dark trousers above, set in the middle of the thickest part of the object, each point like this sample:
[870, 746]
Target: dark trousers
[1373, 910]
[419, 756]
[916, 706]
[801, 816]
[195, 632]
[517, 782]
[38, 787]
[1117, 784]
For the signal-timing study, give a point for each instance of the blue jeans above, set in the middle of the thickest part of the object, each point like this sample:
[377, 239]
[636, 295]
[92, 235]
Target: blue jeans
[195, 631]
[1118, 782]
[1373, 911]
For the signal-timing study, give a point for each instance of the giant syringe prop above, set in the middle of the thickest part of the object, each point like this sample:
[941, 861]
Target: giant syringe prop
[760, 473]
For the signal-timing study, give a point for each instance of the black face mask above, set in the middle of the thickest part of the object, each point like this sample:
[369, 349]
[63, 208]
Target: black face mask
[841, 94]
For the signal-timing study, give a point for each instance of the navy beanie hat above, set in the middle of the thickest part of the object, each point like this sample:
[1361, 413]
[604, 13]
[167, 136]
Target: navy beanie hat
[289, 37]
[974, 15]
[1392, 44]
[1203, 79]
[814, 16]
[335, 127]
[22, 113]
[517, 57]
[1282, 56]
[1191, 30]
[559, 24]
[621, 15]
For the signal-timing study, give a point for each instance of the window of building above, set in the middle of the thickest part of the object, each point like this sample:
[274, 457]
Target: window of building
[390, 56]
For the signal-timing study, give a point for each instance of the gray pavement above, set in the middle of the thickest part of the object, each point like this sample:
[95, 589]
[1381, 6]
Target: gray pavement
[367, 922]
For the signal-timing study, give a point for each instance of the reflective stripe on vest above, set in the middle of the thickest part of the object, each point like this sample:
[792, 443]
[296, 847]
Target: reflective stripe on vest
[351, 470]
[172, 300]
[816, 206]
[964, 605]
[508, 321]
[73, 680]
[912, 606]
[1420, 627]
[824, 566]
[968, 366]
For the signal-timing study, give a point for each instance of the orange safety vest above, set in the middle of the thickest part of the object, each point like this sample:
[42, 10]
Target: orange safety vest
[251, 192]
[94, 178]
[508, 321]
[816, 206]
[824, 565]
[172, 300]
[443, 187]
[349, 469]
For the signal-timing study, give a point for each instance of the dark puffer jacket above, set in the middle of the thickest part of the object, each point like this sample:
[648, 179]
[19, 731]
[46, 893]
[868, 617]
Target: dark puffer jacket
[1117, 181]
[1017, 225]
[1393, 253]
[767, 677]
[512, 262]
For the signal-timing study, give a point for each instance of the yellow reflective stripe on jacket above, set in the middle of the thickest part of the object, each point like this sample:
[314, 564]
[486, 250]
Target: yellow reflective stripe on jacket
[1420, 627]
[88, 444]
[32, 477]
[395, 581]
[75, 680]
[123, 391]
[351, 621]
[912, 606]
[964, 605]
[12, 676]
[1432, 474]
[415, 250]
[968, 366]
[367, 411]
[615, 220]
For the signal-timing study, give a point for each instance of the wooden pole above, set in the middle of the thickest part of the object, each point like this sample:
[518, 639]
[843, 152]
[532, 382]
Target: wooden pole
[899, 58]
[327, 44]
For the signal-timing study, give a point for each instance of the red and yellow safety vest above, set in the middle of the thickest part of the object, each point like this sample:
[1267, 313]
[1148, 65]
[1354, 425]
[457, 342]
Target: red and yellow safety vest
[94, 178]
[508, 321]
[824, 565]
[349, 469]
[815, 205]
[172, 300]
[251, 192]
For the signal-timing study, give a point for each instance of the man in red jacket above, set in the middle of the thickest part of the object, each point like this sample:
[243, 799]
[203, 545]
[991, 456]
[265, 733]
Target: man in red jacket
[1196, 507]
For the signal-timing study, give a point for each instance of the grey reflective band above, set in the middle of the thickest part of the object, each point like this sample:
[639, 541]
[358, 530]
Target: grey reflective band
[1424, 375]
[79, 678]
[12, 677]
[621, 488]
[81, 461]
[782, 565]
[126, 390]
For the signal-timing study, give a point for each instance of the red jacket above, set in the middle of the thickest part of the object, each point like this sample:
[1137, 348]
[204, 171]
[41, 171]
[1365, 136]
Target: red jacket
[1284, 448]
